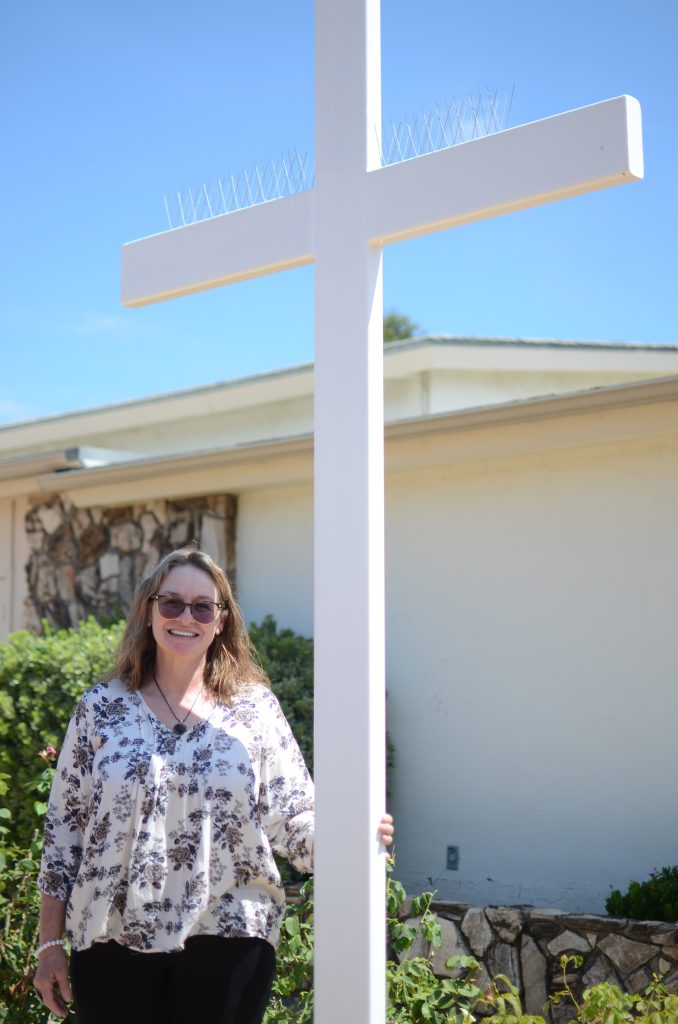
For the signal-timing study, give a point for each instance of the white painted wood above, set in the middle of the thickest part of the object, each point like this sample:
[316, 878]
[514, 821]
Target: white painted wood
[233, 247]
[559, 157]
[355, 208]
[349, 523]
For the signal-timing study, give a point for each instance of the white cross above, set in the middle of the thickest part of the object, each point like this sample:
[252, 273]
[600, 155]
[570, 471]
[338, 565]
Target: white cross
[355, 208]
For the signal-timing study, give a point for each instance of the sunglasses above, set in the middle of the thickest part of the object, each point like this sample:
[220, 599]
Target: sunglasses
[201, 611]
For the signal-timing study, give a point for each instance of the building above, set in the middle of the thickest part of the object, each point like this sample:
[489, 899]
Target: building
[531, 590]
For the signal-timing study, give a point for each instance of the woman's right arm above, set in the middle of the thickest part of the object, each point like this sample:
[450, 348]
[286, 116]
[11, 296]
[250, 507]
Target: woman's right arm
[51, 976]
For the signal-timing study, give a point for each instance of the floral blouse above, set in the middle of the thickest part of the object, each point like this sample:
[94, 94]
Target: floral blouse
[152, 837]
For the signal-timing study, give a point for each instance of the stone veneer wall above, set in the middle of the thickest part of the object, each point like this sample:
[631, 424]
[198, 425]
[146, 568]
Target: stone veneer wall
[88, 561]
[526, 944]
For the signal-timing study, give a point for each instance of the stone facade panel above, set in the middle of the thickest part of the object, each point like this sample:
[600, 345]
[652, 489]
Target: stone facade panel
[568, 942]
[149, 526]
[81, 521]
[477, 930]
[532, 959]
[50, 517]
[452, 944]
[127, 537]
[89, 561]
[504, 958]
[599, 970]
[506, 921]
[624, 953]
[93, 543]
[109, 565]
[533, 970]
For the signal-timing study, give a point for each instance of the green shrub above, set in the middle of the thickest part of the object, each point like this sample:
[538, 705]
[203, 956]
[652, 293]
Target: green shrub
[20, 905]
[41, 679]
[653, 900]
[287, 658]
[415, 994]
[601, 1004]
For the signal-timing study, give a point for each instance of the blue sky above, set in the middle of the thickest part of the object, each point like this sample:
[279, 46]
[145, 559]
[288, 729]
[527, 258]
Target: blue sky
[105, 107]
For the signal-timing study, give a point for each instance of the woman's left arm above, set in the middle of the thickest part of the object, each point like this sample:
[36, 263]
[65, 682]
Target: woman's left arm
[286, 796]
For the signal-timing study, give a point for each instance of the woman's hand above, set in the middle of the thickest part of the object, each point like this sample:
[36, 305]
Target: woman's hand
[51, 980]
[386, 830]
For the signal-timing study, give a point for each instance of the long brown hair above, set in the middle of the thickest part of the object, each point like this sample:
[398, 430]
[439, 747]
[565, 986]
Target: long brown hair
[231, 659]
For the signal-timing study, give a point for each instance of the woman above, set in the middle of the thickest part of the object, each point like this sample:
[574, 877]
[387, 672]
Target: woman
[177, 780]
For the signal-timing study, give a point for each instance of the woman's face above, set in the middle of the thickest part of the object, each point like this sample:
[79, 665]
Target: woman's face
[183, 637]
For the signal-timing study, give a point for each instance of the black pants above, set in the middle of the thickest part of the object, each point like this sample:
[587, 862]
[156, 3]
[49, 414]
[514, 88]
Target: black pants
[210, 981]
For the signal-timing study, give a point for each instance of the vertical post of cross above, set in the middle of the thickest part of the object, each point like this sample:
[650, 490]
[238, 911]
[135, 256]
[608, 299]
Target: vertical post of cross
[349, 523]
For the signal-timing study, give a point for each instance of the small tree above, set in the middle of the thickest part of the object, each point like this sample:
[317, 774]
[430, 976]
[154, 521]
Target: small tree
[397, 327]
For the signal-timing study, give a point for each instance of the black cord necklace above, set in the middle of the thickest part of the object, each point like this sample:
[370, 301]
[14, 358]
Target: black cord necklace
[179, 728]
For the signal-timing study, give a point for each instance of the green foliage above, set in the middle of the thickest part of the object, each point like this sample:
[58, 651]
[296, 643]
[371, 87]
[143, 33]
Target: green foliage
[415, 994]
[398, 328]
[287, 658]
[20, 907]
[601, 1004]
[292, 995]
[41, 679]
[653, 900]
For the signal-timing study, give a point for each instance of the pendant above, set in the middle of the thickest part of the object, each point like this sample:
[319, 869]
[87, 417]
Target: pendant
[180, 729]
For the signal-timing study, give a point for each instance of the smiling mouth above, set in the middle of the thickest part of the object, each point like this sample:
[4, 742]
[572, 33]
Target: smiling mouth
[181, 632]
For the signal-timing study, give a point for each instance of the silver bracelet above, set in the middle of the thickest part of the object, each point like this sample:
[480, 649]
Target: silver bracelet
[46, 945]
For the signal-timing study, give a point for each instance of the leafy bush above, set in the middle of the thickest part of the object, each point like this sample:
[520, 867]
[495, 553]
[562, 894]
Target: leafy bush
[41, 679]
[653, 900]
[20, 905]
[287, 658]
[601, 1004]
[415, 994]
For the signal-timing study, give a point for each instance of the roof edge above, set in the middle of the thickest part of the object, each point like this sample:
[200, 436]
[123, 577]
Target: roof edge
[608, 398]
[391, 348]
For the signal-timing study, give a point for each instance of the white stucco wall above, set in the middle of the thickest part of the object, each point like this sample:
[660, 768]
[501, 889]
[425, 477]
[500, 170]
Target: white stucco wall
[275, 556]
[440, 390]
[532, 656]
[531, 653]
[14, 554]
[214, 430]
[531, 659]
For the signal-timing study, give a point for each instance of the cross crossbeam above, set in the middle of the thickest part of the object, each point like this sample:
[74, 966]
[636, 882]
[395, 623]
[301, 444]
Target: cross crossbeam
[559, 157]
